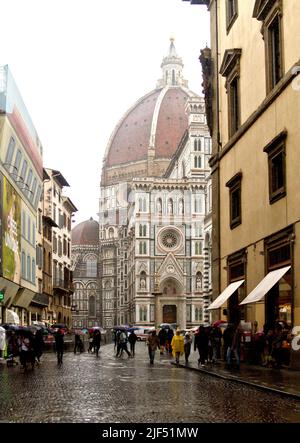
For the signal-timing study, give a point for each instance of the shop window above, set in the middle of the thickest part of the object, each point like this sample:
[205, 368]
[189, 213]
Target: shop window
[279, 300]
[236, 269]
[276, 164]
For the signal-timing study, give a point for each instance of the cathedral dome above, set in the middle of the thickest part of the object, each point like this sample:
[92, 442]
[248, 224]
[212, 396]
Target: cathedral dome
[86, 233]
[150, 131]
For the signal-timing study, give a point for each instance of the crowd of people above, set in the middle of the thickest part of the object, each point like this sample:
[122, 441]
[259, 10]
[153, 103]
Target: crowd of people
[28, 345]
[269, 348]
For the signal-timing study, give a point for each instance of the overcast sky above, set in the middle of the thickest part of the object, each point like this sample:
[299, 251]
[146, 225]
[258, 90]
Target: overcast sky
[80, 64]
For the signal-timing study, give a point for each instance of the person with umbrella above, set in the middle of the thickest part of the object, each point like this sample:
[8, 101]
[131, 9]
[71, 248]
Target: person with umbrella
[123, 345]
[153, 344]
[38, 344]
[187, 346]
[96, 341]
[163, 336]
[59, 345]
[201, 343]
[132, 340]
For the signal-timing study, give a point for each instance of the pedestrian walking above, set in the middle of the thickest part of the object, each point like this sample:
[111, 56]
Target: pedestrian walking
[177, 346]
[97, 341]
[2, 341]
[215, 338]
[91, 341]
[123, 345]
[187, 346]
[26, 350]
[78, 344]
[153, 344]
[38, 345]
[201, 343]
[59, 346]
[234, 348]
[163, 336]
[132, 340]
[170, 335]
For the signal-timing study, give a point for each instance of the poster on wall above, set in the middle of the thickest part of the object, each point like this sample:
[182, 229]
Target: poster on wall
[11, 233]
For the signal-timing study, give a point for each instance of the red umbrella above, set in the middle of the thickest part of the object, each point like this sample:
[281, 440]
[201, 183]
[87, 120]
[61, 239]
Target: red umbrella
[218, 323]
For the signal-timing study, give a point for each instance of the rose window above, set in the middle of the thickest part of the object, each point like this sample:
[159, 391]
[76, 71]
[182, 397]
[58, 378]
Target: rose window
[169, 239]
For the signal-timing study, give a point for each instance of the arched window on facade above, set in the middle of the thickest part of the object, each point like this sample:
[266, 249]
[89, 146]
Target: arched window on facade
[143, 247]
[173, 77]
[111, 233]
[198, 248]
[198, 313]
[143, 230]
[197, 144]
[142, 204]
[197, 204]
[91, 267]
[92, 306]
[197, 161]
[143, 313]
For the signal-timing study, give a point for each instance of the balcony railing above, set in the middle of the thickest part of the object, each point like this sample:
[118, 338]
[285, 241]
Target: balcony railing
[62, 284]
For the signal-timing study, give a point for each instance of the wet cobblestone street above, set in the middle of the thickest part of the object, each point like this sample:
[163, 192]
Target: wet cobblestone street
[124, 390]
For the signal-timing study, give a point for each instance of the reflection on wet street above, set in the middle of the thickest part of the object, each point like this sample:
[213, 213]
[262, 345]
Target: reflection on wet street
[124, 390]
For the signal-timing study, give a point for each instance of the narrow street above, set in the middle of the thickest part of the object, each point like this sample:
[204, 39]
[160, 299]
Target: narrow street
[125, 390]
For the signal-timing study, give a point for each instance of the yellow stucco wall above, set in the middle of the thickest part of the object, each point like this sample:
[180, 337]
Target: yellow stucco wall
[259, 218]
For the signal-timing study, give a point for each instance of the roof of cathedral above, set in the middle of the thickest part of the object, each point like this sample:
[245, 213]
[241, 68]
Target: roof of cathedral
[86, 233]
[155, 122]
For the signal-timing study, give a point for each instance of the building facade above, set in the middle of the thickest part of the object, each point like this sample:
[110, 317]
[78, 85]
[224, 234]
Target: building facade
[152, 243]
[58, 210]
[21, 181]
[86, 300]
[255, 157]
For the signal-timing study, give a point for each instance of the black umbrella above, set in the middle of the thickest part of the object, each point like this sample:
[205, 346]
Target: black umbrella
[10, 327]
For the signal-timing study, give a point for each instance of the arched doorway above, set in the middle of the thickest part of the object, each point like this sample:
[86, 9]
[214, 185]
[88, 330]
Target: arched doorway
[171, 300]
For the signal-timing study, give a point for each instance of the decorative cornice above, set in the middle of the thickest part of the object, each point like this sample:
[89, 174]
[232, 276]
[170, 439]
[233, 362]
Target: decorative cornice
[230, 59]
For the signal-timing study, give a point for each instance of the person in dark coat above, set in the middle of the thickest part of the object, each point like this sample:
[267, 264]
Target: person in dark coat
[59, 345]
[97, 341]
[170, 335]
[201, 343]
[162, 335]
[38, 344]
[132, 340]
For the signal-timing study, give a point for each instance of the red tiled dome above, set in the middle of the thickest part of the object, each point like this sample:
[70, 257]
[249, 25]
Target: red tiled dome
[158, 118]
[86, 233]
